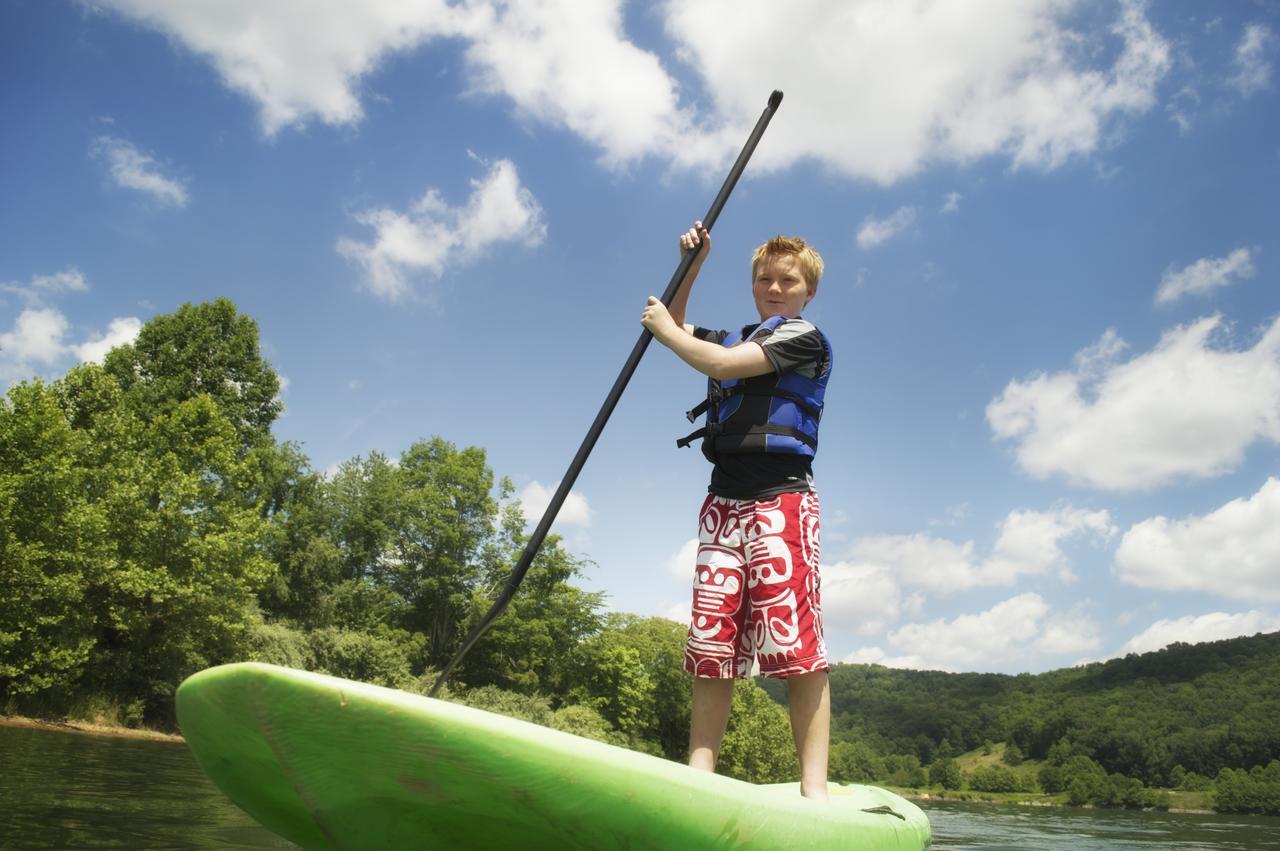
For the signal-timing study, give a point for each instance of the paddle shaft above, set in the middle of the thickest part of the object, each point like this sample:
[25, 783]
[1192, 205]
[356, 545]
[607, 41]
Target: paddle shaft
[611, 401]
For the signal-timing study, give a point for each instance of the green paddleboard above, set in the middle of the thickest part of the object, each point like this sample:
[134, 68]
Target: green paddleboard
[331, 763]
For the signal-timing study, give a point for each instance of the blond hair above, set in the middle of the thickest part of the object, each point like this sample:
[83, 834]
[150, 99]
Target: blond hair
[809, 259]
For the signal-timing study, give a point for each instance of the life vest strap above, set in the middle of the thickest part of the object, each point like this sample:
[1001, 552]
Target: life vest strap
[742, 390]
[786, 431]
[684, 442]
[717, 429]
[707, 432]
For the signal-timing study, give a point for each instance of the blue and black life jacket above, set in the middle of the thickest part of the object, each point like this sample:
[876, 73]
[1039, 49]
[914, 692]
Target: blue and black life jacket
[765, 413]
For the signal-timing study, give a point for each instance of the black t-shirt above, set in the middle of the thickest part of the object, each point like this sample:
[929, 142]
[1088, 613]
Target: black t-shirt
[795, 345]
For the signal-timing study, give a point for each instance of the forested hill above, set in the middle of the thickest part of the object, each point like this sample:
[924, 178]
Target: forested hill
[1187, 708]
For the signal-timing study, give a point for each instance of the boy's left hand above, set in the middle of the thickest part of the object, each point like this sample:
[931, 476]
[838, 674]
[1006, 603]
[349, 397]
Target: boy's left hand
[658, 320]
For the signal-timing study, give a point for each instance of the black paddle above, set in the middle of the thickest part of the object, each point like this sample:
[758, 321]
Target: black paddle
[589, 442]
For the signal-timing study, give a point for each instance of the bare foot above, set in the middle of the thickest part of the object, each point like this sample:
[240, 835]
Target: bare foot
[818, 794]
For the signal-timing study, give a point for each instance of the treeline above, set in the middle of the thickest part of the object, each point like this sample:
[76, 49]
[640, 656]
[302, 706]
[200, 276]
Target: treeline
[151, 526]
[1191, 717]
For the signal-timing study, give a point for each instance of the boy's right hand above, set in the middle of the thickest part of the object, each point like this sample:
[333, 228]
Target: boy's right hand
[694, 238]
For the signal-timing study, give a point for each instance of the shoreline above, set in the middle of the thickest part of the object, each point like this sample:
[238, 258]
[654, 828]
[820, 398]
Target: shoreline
[89, 728]
[971, 798]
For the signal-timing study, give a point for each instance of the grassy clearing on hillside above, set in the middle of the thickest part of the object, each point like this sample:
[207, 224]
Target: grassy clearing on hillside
[978, 758]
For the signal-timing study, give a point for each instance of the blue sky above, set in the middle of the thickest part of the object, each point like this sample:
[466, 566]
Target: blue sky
[1050, 233]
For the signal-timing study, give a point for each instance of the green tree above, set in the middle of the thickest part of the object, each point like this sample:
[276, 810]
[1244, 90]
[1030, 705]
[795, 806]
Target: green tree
[1084, 780]
[187, 557]
[208, 349]
[997, 778]
[418, 529]
[904, 770]
[1050, 778]
[302, 539]
[946, 773]
[445, 515]
[632, 673]
[574, 718]
[855, 762]
[757, 744]
[425, 545]
[137, 539]
[385, 658]
[530, 647]
[1254, 791]
[51, 545]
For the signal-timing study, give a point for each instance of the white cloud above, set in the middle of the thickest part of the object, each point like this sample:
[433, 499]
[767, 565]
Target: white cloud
[37, 341]
[432, 235]
[1205, 275]
[1029, 544]
[920, 560]
[558, 62]
[943, 82]
[132, 169]
[875, 655]
[535, 497]
[1233, 551]
[883, 88]
[296, 72]
[681, 613]
[681, 564]
[1182, 108]
[862, 597]
[1186, 409]
[36, 338]
[952, 203]
[967, 642]
[876, 231]
[41, 287]
[1010, 630]
[1251, 63]
[1070, 634]
[954, 515]
[568, 63]
[1215, 626]
[119, 332]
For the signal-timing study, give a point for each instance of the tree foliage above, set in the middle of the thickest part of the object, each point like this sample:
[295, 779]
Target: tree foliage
[757, 742]
[1186, 710]
[632, 673]
[1254, 791]
[51, 541]
[209, 349]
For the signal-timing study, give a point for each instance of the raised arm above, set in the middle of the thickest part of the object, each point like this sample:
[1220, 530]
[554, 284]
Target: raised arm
[697, 239]
[668, 326]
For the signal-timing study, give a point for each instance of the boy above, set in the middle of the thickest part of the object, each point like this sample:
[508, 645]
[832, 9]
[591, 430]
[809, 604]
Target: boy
[755, 594]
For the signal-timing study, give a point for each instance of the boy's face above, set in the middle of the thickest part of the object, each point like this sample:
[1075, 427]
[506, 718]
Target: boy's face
[779, 287]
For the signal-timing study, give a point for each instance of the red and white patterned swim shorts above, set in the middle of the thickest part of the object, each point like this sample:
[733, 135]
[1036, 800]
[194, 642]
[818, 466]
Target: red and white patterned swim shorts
[755, 592]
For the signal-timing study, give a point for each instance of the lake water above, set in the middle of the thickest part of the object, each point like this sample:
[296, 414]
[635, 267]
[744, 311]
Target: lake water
[69, 790]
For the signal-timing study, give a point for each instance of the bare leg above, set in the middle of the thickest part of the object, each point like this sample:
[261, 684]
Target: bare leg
[810, 700]
[712, 700]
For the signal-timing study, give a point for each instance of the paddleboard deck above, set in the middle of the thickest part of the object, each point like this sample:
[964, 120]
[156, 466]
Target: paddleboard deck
[335, 764]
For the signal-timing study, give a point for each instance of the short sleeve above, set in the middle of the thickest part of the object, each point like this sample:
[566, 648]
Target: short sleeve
[795, 345]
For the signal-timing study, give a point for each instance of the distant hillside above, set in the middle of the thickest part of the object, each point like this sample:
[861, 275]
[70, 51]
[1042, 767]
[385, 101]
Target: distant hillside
[1201, 707]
